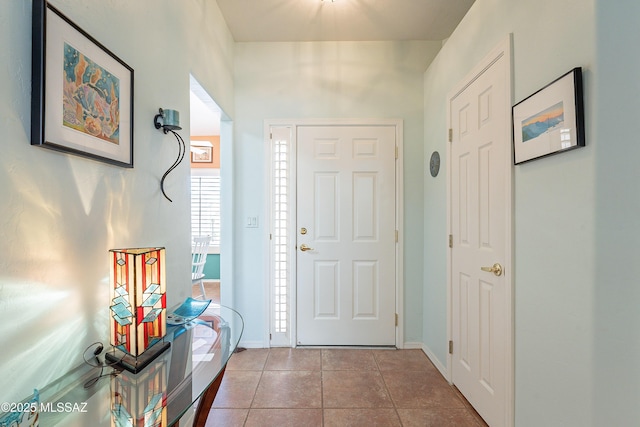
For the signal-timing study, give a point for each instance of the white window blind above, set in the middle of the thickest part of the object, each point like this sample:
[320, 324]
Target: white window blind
[205, 207]
[280, 195]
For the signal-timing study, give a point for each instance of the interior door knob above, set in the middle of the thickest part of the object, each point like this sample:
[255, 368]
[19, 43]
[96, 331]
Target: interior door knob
[495, 269]
[305, 248]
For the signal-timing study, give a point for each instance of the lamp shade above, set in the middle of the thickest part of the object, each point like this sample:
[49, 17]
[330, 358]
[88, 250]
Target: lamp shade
[138, 300]
[171, 119]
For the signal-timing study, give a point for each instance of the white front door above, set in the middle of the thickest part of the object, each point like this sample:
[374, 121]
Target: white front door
[346, 235]
[480, 222]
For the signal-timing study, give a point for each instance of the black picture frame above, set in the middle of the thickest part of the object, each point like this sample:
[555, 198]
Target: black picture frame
[551, 120]
[82, 93]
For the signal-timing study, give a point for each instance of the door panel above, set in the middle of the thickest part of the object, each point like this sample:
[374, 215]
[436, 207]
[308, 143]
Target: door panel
[365, 224]
[327, 286]
[365, 289]
[346, 200]
[327, 220]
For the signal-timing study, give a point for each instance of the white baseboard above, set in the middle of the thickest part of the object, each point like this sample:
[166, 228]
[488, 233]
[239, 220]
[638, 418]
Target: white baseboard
[439, 366]
[413, 345]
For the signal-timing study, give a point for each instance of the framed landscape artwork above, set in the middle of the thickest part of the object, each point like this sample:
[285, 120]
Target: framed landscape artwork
[551, 120]
[201, 154]
[82, 94]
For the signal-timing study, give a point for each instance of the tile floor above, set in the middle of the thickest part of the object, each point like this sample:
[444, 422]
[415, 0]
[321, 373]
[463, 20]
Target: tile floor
[337, 387]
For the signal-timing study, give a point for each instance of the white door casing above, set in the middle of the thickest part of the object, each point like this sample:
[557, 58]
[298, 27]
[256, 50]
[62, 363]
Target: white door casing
[480, 172]
[346, 202]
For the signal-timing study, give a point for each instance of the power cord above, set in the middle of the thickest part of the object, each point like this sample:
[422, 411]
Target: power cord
[91, 357]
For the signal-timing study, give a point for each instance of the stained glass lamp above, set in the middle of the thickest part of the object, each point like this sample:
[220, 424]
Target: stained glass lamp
[138, 306]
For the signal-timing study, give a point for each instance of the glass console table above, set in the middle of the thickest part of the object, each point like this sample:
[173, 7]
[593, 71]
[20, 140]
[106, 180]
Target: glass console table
[177, 388]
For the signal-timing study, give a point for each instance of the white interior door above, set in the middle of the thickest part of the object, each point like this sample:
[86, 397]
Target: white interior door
[480, 221]
[346, 235]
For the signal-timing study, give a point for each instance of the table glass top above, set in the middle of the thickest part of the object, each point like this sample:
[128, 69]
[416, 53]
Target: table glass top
[162, 393]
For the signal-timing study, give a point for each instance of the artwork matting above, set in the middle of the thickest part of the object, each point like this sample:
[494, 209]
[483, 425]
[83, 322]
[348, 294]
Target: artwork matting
[82, 94]
[551, 120]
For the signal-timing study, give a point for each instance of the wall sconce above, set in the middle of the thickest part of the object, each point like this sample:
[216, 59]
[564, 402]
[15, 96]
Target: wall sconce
[169, 121]
[138, 306]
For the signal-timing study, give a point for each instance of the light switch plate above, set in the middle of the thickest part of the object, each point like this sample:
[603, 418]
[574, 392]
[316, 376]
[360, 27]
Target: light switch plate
[252, 222]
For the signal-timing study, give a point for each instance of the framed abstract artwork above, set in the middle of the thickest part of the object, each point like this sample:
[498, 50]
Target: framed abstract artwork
[551, 120]
[82, 94]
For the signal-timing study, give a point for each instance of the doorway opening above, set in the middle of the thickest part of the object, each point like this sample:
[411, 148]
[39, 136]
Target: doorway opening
[207, 124]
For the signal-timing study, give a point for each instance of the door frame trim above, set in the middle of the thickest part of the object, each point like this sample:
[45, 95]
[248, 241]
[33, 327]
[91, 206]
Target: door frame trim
[504, 49]
[399, 213]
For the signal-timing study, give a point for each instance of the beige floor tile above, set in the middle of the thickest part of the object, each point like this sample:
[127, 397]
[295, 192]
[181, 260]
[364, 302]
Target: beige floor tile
[237, 389]
[348, 360]
[354, 389]
[419, 389]
[403, 360]
[227, 417]
[361, 418]
[289, 359]
[289, 389]
[284, 418]
[252, 359]
[437, 417]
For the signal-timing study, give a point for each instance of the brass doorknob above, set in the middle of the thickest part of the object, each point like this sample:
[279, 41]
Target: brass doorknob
[305, 248]
[495, 269]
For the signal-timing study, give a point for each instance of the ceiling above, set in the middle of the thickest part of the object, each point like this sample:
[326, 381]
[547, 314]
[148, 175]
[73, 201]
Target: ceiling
[318, 20]
[342, 20]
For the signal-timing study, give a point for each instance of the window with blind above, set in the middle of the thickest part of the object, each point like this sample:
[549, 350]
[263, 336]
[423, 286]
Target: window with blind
[205, 205]
[282, 243]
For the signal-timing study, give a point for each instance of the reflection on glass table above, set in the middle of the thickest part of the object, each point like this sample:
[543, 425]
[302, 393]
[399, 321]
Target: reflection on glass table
[179, 386]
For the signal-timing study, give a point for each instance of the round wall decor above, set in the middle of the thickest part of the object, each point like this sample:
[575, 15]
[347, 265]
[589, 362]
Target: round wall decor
[434, 163]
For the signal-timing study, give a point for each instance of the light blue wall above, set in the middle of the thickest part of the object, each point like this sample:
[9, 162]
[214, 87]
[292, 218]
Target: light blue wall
[60, 214]
[324, 80]
[616, 302]
[576, 288]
